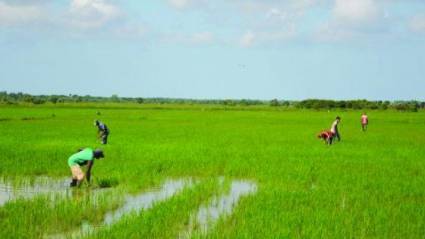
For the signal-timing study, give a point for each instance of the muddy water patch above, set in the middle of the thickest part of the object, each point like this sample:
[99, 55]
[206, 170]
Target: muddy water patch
[207, 216]
[132, 204]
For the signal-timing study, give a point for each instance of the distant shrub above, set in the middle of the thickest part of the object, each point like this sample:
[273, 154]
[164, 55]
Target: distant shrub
[54, 99]
[37, 101]
[412, 106]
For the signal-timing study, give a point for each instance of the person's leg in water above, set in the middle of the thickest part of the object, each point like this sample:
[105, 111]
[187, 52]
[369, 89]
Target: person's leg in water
[77, 176]
[73, 182]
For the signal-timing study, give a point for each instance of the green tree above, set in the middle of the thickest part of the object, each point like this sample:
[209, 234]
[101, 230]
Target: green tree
[53, 99]
[274, 103]
[139, 100]
[115, 98]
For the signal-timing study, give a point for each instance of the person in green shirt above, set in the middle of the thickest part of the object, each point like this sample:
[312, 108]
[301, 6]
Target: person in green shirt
[83, 157]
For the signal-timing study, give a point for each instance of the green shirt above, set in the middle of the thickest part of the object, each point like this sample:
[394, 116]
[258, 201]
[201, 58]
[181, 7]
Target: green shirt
[81, 157]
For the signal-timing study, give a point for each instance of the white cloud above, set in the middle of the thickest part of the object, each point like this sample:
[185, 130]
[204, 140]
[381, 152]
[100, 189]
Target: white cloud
[198, 38]
[19, 14]
[248, 39]
[84, 14]
[417, 24]
[180, 4]
[355, 11]
[252, 38]
[351, 19]
[277, 14]
[185, 4]
[330, 32]
[271, 21]
[254, 6]
[202, 38]
[88, 14]
[268, 20]
[131, 31]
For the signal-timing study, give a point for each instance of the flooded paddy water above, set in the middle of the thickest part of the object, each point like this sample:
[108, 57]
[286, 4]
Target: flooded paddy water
[132, 204]
[200, 223]
[221, 205]
[27, 189]
[147, 199]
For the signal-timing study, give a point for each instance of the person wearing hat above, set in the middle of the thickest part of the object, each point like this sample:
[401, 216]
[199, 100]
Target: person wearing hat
[102, 131]
[83, 157]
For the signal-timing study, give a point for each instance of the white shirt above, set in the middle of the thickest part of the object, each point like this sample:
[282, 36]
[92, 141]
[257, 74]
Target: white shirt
[334, 126]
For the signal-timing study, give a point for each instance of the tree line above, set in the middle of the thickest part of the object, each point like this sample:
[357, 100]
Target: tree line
[317, 104]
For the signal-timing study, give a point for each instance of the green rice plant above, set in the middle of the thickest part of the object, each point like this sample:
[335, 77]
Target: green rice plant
[46, 215]
[106, 182]
[369, 185]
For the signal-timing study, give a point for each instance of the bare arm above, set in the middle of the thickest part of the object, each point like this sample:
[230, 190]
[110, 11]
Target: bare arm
[89, 166]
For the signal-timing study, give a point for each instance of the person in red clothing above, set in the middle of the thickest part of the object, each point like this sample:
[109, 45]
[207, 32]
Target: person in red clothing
[364, 121]
[326, 135]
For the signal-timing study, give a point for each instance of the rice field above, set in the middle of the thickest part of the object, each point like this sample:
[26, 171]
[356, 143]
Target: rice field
[212, 172]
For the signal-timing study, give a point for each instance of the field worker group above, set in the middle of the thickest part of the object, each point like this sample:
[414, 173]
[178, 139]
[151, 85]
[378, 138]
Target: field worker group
[86, 156]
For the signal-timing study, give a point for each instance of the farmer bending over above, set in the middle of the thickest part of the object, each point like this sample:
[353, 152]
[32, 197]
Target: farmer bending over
[326, 135]
[83, 157]
[102, 131]
[334, 129]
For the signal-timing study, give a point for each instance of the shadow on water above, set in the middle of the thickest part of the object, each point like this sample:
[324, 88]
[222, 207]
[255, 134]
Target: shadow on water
[208, 215]
[133, 203]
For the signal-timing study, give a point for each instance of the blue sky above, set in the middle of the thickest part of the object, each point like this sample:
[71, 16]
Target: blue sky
[257, 49]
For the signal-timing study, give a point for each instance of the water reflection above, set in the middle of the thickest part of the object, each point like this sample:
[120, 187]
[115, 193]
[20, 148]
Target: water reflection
[208, 214]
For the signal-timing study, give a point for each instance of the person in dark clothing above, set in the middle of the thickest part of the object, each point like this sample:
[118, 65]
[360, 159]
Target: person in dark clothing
[102, 130]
